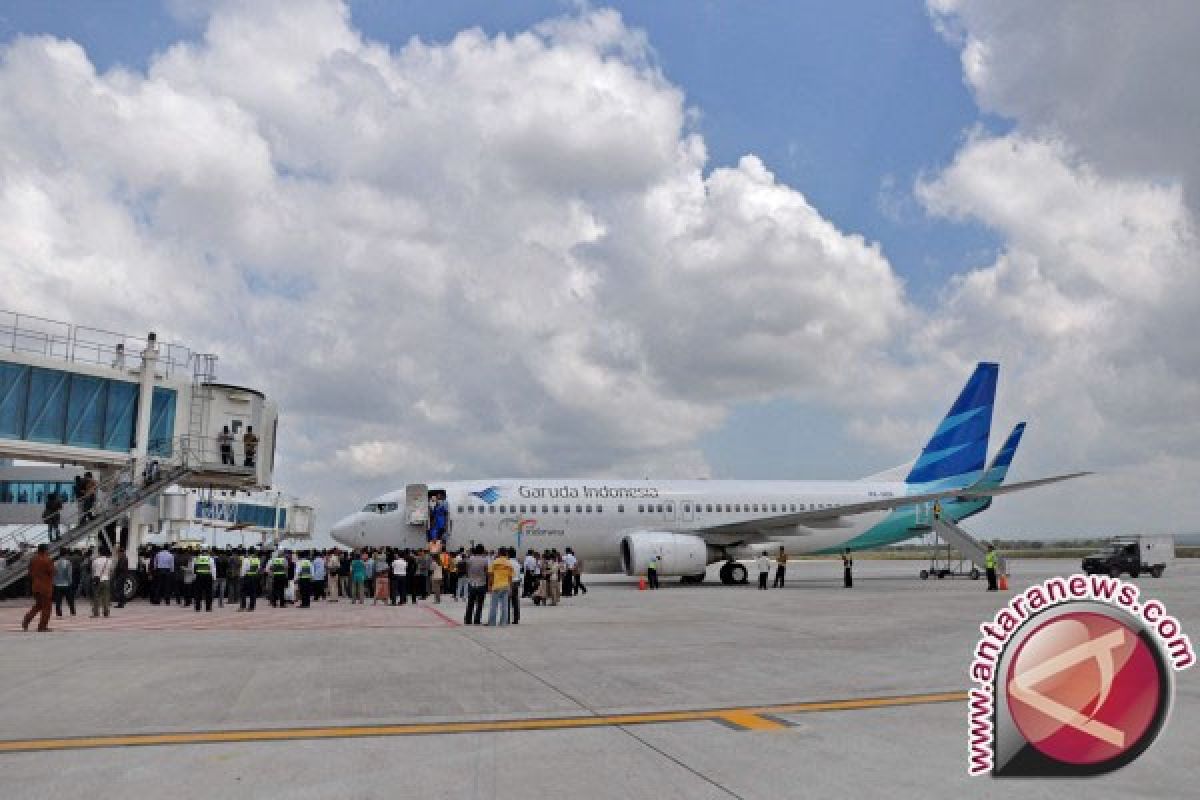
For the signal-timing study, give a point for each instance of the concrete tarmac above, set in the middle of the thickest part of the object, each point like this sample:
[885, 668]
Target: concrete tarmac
[565, 693]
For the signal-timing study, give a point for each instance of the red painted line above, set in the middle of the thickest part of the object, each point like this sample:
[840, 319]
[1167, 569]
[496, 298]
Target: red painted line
[450, 623]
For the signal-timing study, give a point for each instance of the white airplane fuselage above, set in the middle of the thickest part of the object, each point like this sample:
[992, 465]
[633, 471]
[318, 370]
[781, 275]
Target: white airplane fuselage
[593, 516]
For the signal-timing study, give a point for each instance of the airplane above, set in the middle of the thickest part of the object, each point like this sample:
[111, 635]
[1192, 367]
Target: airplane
[619, 525]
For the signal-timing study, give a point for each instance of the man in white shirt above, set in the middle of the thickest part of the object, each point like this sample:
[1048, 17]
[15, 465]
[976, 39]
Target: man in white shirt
[102, 566]
[514, 595]
[568, 573]
[531, 573]
[399, 578]
[764, 569]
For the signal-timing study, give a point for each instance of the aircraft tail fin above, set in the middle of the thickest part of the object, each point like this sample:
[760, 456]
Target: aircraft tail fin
[957, 451]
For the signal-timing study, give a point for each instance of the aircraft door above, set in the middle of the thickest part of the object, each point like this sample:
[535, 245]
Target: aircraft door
[416, 504]
[686, 513]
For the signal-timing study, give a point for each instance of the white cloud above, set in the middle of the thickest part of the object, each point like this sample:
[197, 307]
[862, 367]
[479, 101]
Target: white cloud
[1094, 298]
[497, 255]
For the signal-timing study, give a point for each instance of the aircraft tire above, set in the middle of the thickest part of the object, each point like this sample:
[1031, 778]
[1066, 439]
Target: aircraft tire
[739, 574]
[126, 589]
[726, 576]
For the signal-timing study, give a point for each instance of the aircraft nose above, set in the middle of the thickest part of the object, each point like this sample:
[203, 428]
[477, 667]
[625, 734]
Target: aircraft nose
[343, 531]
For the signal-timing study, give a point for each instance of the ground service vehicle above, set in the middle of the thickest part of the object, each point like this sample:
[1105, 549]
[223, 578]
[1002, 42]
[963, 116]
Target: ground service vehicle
[1133, 555]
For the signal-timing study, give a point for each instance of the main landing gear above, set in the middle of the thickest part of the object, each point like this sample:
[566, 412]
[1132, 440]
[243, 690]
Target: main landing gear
[733, 572]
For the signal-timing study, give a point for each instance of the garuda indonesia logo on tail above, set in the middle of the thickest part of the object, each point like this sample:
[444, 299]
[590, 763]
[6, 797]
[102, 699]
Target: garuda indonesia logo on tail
[488, 495]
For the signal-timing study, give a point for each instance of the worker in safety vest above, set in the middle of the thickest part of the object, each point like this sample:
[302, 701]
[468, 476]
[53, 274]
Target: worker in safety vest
[989, 562]
[278, 567]
[304, 575]
[205, 567]
[652, 572]
[251, 568]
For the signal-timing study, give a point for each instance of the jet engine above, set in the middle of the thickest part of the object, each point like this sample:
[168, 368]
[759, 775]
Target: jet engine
[681, 553]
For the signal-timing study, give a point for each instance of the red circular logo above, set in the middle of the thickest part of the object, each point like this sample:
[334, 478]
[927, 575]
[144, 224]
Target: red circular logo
[1084, 688]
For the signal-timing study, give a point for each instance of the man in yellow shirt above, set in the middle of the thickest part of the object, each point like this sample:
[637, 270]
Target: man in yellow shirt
[500, 574]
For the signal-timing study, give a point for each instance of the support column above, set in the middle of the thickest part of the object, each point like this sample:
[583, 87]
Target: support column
[145, 405]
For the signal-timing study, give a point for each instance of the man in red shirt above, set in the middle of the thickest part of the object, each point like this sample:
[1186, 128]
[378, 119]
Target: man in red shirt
[41, 574]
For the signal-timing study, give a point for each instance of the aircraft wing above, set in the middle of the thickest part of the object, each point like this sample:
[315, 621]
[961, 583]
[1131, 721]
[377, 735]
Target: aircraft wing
[832, 517]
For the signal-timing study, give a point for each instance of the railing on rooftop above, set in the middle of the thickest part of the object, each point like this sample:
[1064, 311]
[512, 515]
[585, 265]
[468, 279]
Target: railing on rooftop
[25, 333]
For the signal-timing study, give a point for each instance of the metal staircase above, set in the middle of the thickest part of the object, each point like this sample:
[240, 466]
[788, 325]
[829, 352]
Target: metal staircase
[116, 497]
[971, 548]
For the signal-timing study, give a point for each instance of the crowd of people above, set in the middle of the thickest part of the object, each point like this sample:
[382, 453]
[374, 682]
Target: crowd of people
[198, 579]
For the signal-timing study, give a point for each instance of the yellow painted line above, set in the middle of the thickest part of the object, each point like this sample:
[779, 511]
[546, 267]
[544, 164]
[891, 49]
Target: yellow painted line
[746, 718]
[751, 722]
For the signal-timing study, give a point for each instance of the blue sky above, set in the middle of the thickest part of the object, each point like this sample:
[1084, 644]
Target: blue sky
[847, 102]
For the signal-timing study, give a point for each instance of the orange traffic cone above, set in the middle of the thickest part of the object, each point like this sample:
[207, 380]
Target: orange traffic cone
[1003, 583]
[641, 583]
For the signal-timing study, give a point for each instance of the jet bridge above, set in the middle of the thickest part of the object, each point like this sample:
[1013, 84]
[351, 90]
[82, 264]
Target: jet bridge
[139, 413]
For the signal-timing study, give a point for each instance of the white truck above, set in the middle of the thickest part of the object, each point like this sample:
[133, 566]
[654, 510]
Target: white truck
[1135, 555]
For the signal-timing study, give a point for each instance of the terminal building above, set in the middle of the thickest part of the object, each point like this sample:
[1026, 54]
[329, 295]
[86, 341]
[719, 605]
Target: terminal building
[139, 415]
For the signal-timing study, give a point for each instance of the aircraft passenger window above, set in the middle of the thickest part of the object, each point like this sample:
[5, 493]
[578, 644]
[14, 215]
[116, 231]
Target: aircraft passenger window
[599, 509]
[566, 509]
[708, 508]
[772, 508]
[501, 509]
[660, 510]
[491, 509]
[460, 509]
[620, 508]
[756, 508]
[641, 508]
[687, 507]
[670, 509]
[793, 508]
[578, 509]
[545, 509]
[728, 508]
[556, 509]
[589, 509]
[470, 509]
